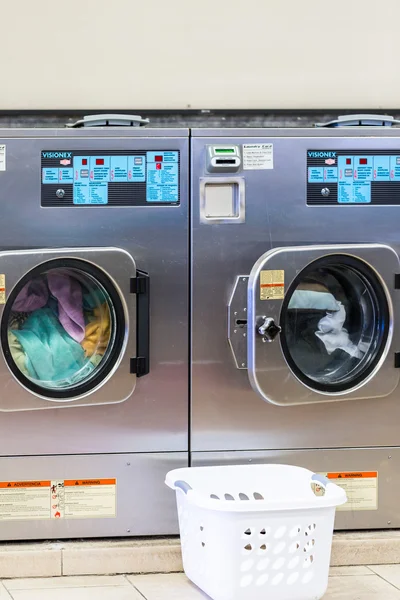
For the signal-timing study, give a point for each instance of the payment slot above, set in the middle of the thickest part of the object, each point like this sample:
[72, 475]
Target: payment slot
[223, 159]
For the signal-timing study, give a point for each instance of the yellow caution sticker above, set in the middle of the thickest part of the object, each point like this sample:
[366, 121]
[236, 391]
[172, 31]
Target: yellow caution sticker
[272, 285]
[2, 289]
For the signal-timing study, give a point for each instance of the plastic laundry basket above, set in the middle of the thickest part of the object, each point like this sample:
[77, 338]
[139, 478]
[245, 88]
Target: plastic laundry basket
[261, 532]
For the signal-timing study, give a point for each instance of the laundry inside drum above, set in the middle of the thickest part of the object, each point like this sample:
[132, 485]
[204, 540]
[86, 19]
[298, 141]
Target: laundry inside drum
[60, 328]
[335, 326]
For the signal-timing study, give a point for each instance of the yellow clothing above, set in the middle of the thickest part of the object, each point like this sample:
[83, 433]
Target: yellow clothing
[97, 332]
[19, 356]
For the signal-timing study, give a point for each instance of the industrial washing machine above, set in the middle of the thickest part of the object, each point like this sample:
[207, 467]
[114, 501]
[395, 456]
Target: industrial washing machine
[296, 307]
[94, 330]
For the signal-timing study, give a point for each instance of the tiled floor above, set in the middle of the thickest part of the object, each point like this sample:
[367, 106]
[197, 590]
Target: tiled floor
[346, 583]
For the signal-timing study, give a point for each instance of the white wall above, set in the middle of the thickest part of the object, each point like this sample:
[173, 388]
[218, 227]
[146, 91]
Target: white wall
[77, 54]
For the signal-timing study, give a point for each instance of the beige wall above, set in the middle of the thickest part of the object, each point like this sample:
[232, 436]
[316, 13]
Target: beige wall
[67, 54]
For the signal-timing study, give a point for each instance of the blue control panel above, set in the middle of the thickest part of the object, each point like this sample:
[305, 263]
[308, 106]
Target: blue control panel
[352, 177]
[138, 178]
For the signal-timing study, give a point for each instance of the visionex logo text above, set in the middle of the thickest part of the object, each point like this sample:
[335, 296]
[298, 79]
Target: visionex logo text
[57, 154]
[321, 154]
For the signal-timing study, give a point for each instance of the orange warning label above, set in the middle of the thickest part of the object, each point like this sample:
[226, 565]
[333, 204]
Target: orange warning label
[361, 489]
[58, 499]
[74, 482]
[353, 475]
[24, 484]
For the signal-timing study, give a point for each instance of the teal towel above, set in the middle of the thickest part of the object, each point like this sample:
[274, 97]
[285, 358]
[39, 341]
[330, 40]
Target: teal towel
[52, 356]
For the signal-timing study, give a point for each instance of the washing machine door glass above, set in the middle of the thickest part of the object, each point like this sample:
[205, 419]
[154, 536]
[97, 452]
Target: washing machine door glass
[62, 328]
[321, 323]
[335, 323]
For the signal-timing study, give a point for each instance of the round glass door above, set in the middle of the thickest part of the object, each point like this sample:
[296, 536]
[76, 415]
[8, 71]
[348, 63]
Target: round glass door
[335, 322]
[63, 328]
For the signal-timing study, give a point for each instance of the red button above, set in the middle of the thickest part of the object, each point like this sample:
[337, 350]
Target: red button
[84, 161]
[158, 166]
[158, 158]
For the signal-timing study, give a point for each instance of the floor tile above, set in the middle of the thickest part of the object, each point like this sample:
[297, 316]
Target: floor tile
[4, 595]
[65, 582]
[81, 593]
[390, 573]
[364, 587]
[349, 571]
[166, 587]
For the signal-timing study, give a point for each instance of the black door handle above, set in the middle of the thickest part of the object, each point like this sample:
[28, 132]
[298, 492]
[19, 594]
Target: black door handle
[140, 285]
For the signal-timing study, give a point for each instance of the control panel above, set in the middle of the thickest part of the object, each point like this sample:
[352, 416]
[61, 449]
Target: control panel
[109, 178]
[346, 177]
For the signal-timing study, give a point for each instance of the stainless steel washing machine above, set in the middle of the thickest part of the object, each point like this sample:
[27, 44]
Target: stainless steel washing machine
[295, 307]
[94, 330]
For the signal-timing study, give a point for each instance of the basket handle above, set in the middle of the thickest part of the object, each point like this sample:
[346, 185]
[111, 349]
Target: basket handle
[321, 481]
[182, 485]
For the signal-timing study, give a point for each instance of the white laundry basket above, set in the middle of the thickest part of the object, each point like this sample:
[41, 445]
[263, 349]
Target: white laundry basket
[261, 532]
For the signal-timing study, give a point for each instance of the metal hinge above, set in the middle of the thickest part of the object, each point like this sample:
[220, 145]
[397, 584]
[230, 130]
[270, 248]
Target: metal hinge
[110, 120]
[139, 284]
[397, 360]
[361, 120]
[397, 281]
[138, 366]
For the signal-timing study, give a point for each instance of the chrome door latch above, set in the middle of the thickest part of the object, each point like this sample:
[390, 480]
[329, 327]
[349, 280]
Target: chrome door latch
[268, 329]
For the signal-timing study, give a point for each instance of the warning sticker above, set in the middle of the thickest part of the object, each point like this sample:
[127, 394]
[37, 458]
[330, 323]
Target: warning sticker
[2, 157]
[58, 499]
[361, 488]
[272, 285]
[90, 498]
[2, 289]
[24, 500]
[258, 156]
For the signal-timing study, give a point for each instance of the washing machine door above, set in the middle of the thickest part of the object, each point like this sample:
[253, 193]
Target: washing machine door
[321, 324]
[69, 327]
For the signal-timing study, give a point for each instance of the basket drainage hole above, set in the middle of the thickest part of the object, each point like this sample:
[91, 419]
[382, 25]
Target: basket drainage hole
[258, 496]
[263, 547]
[203, 544]
[247, 532]
[201, 528]
[263, 532]
[214, 497]
[228, 497]
[249, 547]
[243, 496]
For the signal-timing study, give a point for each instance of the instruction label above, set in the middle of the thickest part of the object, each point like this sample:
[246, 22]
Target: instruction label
[361, 488]
[2, 157]
[258, 156]
[2, 289]
[90, 498]
[24, 500]
[272, 285]
[58, 499]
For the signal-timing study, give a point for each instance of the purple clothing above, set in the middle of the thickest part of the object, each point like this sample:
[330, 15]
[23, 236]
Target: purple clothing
[68, 292]
[34, 295]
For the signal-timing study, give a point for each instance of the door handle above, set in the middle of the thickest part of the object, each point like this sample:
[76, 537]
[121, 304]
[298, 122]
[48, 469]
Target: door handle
[140, 285]
[268, 329]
